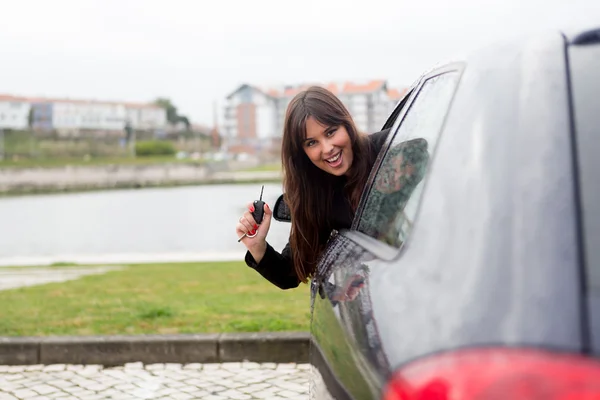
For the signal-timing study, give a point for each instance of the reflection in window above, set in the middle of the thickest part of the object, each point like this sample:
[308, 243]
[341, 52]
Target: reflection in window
[391, 206]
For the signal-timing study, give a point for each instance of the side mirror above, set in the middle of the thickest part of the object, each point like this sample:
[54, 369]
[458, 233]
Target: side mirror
[281, 212]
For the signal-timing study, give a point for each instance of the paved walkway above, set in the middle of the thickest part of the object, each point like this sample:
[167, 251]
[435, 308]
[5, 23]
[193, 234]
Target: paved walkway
[156, 381]
[12, 278]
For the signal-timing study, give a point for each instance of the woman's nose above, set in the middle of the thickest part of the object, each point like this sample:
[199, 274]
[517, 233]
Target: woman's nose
[327, 147]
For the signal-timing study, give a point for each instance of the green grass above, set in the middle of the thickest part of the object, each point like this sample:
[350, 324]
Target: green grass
[156, 298]
[99, 161]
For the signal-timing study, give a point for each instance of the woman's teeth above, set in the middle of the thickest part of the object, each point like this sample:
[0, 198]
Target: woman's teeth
[334, 159]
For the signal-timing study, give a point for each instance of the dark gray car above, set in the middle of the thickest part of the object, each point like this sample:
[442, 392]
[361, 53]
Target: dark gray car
[472, 270]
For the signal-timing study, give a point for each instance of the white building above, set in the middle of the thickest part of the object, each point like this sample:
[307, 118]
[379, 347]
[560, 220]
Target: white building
[254, 117]
[71, 116]
[146, 116]
[368, 103]
[14, 112]
[250, 120]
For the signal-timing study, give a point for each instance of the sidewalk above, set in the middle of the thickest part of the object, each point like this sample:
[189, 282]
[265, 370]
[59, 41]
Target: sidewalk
[244, 380]
[12, 278]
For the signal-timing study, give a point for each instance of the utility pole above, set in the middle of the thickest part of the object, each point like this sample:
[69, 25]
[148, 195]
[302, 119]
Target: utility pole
[130, 138]
[214, 133]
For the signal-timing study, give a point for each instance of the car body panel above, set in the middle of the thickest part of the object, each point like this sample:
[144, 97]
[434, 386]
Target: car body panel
[493, 256]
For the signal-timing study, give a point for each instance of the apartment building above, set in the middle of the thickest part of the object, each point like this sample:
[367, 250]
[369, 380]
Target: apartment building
[72, 116]
[14, 112]
[145, 116]
[253, 117]
[250, 120]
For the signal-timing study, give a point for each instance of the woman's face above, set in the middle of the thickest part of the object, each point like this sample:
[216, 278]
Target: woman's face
[328, 147]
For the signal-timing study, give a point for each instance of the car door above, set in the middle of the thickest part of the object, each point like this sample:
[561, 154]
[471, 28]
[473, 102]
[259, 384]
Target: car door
[346, 354]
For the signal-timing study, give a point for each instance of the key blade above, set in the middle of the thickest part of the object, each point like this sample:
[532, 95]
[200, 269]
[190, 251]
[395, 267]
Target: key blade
[261, 192]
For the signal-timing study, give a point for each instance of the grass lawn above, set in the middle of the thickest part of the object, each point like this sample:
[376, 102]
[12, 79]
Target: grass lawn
[156, 298]
[61, 162]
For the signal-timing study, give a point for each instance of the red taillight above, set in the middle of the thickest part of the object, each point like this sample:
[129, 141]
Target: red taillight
[497, 374]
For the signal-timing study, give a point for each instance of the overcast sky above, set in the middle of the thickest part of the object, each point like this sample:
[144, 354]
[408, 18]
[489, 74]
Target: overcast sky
[197, 51]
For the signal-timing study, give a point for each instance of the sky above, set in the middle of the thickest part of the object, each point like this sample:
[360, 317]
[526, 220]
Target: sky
[197, 52]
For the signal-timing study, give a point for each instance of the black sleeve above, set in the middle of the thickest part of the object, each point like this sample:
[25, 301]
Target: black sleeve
[377, 141]
[275, 267]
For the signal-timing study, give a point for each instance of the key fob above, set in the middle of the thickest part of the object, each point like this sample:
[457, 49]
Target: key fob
[259, 211]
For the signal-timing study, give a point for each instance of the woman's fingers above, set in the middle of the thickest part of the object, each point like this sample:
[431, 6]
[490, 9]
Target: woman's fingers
[246, 223]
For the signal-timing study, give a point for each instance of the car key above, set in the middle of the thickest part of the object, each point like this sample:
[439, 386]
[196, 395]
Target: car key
[258, 213]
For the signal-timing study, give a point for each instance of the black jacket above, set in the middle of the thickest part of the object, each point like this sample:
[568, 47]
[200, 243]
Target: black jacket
[278, 268]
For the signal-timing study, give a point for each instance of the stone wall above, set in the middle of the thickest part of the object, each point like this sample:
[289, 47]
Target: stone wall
[72, 178]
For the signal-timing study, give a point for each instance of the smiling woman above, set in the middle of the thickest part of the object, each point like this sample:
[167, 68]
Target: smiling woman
[328, 147]
[326, 163]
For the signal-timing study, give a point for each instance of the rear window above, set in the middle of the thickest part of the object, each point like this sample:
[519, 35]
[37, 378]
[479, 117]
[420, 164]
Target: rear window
[585, 80]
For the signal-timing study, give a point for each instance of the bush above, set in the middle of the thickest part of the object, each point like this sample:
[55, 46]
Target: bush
[154, 148]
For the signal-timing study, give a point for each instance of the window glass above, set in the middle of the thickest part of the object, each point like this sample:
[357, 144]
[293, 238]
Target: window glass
[391, 205]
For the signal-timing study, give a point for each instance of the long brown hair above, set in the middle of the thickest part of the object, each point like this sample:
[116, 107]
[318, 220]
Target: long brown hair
[308, 189]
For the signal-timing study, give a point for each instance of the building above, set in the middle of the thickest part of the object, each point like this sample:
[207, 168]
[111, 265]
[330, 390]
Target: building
[250, 120]
[146, 116]
[253, 117]
[73, 117]
[14, 112]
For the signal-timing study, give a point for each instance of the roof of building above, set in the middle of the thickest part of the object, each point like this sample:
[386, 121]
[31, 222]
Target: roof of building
[8, 97]
[271, 92]
[366, 87]
[397, 94]
[337, 88]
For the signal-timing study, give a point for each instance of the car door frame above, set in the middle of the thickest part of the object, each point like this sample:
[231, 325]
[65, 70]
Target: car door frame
[394, 122]
[370, 245]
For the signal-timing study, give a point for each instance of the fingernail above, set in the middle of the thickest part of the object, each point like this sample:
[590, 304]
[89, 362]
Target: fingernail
[267, 206]
[255, 226]
[252, 232]
[251, 208]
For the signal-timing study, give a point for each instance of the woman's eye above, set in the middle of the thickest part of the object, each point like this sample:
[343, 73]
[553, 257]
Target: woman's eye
[331, 132]
[310, 143]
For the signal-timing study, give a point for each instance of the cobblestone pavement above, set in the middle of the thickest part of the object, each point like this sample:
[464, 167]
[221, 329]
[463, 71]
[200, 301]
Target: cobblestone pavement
[155, 381]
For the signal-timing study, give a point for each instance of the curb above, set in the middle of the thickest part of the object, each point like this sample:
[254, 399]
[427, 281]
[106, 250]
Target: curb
[280, 347]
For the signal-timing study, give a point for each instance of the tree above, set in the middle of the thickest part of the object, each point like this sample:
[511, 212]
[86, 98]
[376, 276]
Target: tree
[165, 103]
[185, 120]
[172, 115]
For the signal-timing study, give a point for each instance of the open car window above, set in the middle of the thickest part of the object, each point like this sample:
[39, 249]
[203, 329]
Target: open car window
[391, 203]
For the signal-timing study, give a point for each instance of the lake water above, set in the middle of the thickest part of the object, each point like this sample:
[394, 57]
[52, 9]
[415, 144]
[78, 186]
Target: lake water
[167, 224]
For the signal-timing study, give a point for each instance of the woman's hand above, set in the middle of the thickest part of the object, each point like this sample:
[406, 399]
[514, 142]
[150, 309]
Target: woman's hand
[257, 244]
[351, 289]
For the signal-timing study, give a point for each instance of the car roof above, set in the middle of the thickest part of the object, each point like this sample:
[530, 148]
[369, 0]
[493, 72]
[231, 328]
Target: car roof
[583, 36]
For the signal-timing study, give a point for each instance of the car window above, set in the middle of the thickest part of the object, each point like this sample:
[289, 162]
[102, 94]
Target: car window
[585, 76]
[393, 197]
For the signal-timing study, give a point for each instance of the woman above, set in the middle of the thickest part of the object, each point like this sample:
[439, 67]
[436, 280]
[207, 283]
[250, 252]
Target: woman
[326, 163]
